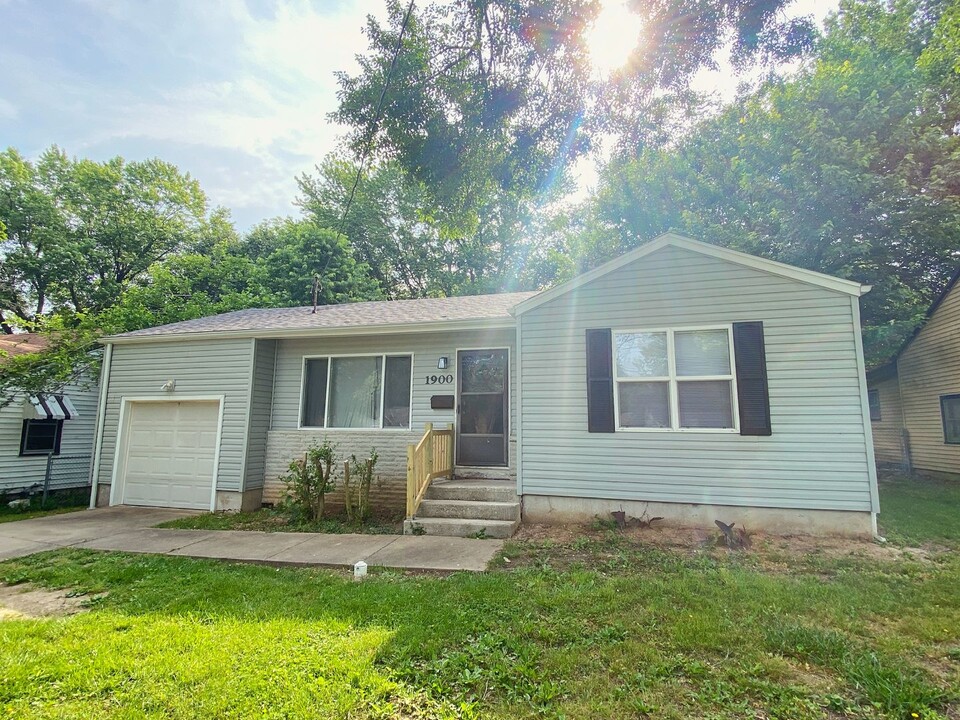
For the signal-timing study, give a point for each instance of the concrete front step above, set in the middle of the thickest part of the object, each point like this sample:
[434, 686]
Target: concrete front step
[460, 527]
[469, 510]
[484, 473]
[476, 489]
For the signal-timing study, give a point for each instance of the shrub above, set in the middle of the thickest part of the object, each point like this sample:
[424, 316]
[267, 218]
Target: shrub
[310, 479]
[357, 478]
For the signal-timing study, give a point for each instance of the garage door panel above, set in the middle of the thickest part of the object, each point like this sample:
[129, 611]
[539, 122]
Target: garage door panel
[170, 453]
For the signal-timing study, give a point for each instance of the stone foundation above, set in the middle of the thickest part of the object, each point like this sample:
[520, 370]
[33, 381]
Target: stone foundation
[556, 510]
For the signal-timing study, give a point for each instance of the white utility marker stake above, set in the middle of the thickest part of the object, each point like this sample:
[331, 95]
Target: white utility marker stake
[359, 570]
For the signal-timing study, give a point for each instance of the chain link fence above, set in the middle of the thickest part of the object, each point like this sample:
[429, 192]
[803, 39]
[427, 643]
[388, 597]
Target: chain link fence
[66, 472]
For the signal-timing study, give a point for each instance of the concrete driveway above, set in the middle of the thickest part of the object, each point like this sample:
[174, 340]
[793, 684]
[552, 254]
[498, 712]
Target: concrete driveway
[130, 529]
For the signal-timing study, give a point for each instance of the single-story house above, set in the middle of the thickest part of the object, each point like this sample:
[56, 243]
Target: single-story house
[46, 430]
[682, 380]
[915, 397]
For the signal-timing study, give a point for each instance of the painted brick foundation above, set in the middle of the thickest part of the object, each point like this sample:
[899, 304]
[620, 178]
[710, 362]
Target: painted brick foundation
[390, 478]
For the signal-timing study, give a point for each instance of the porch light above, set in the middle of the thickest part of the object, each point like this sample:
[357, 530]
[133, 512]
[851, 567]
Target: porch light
[443, 362]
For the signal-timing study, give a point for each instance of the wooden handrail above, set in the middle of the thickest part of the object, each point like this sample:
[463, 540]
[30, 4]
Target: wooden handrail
[428, 459]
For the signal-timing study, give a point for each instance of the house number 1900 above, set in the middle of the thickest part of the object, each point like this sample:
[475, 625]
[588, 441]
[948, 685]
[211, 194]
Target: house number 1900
[438, 379]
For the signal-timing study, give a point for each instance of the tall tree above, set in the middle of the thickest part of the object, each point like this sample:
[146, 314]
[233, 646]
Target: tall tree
[492, 99]
[79, 231]
[289, 254]
[849, 168]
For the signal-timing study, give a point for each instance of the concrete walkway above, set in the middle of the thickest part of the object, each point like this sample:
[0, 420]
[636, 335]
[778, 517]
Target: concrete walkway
[130, 529]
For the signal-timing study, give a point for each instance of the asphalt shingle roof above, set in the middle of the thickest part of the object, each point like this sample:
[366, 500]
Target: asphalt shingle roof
[329, 317]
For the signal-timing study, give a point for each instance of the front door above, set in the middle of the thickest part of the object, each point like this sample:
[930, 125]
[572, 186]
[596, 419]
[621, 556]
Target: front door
[483, 408]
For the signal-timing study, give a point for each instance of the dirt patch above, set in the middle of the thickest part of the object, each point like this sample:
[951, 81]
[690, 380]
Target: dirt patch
[772, 549]
[24, 601]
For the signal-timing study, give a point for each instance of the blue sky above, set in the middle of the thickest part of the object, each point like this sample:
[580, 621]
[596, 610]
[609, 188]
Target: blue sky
[235, 92]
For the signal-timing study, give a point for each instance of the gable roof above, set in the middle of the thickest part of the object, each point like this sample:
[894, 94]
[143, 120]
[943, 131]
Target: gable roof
[396, 316]
[889, 368]
[672, 239]
[21, 344]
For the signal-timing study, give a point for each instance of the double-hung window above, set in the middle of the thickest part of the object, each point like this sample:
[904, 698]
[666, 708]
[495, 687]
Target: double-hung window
[674, 379]
[370, 391]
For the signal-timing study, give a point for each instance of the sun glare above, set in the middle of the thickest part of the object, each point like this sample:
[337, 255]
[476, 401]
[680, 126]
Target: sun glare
[614, 35]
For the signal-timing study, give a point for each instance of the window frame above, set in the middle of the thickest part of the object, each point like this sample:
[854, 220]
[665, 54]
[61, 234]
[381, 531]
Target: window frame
[326, 410]
[943, 417]
[874, 393]
[24, 434]
[673, 380]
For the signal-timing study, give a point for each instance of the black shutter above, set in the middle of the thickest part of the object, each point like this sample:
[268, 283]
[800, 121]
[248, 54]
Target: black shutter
[752, 393]
[600, 381]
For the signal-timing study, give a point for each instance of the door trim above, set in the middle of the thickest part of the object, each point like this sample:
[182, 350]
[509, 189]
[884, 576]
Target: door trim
[122, 438]
[508, 420]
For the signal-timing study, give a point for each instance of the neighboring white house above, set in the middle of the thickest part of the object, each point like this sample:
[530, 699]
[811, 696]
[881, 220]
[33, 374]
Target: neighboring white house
[683, 380]
[54, 430]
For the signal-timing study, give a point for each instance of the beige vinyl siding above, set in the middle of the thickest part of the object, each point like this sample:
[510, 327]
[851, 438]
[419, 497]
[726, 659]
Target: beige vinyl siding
[888, 430]
[19, 472]
[928, 368]
[261, 399]
[200, 367]
[817, 455]
[426, 348]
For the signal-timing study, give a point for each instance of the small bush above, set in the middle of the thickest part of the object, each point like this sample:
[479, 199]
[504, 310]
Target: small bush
[357, 478]
[310, 479]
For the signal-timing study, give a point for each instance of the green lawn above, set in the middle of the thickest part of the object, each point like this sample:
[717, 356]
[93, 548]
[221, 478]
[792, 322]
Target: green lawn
[604, 626]
[920, 510]
[57, 503]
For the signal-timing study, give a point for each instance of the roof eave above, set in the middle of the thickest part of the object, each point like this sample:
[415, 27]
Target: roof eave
[283, 333]
[673, 239]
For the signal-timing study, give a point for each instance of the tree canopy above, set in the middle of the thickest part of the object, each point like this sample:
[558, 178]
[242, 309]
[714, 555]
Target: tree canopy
[849, 168]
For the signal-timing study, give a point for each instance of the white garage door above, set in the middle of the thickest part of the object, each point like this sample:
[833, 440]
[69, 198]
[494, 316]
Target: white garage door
[169, 450]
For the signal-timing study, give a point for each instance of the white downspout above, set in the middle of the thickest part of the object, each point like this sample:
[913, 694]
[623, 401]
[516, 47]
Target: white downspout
[101, 421]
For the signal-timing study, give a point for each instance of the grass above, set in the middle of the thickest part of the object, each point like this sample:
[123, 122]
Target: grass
[281, 520]
[57, 503]
[602, 626]
[916, 510]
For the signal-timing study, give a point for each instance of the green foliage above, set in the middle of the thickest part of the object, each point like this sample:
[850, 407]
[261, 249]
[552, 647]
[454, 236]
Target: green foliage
[356, 486]
[79, 232]
[288, 254]
[849, 168]
[491, 101]
[310, 478]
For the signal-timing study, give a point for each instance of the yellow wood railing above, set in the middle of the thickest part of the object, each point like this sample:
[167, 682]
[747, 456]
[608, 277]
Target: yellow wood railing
[430, 458]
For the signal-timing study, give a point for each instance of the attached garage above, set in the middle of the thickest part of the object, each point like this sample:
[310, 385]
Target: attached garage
[167, 453]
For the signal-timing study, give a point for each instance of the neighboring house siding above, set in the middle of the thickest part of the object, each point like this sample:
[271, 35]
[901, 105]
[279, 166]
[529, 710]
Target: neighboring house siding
[928, 368]
[887, 432]
[817, 454]
[211, 367]
[286, 442]
[77, 441]
[261, 398]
